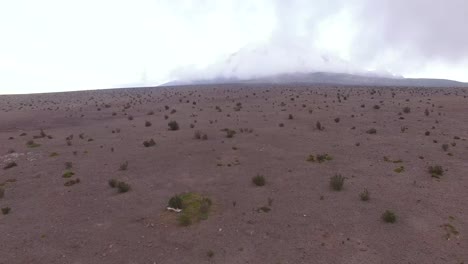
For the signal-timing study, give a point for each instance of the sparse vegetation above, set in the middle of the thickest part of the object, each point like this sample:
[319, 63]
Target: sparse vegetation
[436, 171]
[173, 126]
[389, 217]
[68, 174]
[2, 192]
[337, 182]
[364, 195]
[259, 180]
[194, 206]
[406, 110]
[6, 210]
[123, 166]
[123, 187]
[32, 144]
[149, 143]
[371, 131]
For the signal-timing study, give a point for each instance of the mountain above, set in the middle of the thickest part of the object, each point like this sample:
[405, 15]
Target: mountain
[330, 78]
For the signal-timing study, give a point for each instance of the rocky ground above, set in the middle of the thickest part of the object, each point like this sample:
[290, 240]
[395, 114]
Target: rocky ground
[59, 151]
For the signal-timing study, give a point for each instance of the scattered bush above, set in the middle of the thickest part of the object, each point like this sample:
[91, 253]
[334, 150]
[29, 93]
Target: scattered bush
[68, 174]
[210, 253]
[436, 171]
[123, 166]
[71, 182]
[176, 202]
[6, 210]
[147, 123]
[173, 125]
[113, 183]
[194, 207]
[68, 165]
[389, 217]
[406, 110]
[364, 195]
[259, 180]
[371, 131]
[149, 143]
[2, 192]
[123, 187]
[399, 169]
[32, 144]
[319, 126]
[445, 147]
[337, 182]
[337, 120]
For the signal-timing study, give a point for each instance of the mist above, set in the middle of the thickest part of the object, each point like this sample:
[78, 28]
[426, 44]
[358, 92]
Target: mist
[59, 45]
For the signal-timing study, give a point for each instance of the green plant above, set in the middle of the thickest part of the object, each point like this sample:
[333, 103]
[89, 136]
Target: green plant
[173, 125]
[123, 187]
[436, 171]
[399, 169]
[372, 131]
[32, 144]
[389, 217]
[123, 166]
[337, 182]
[149, 143]
[113, 183]
[68, 174]
[210, 253]
[364, 195]
[176, 202]
[6, 210]
[53, 154]
[195, 207]
[259, 180]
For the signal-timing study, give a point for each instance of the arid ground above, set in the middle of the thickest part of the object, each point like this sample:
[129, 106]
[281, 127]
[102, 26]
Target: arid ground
[406, 146]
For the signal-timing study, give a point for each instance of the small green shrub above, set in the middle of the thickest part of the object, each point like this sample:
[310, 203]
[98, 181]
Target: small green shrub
[259, 180]
[399, 169]
[32, 144]
[6, 210]
[149, 143]
[123, 187]
[173, 125]
[184, 220]
[436, 171]
[364, 195]
[337, 182]
[176, 202]
[68, 174]
[389, 217]
[113, 183]
[124, 166]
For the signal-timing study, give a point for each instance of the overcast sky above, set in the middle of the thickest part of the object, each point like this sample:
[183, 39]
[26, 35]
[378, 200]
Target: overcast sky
[60, 45]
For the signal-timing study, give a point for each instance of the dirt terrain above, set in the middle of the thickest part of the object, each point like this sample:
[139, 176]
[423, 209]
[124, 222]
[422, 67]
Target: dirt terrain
[267, 130]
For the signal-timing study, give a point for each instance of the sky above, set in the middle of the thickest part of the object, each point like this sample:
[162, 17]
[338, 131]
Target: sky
[63, 45]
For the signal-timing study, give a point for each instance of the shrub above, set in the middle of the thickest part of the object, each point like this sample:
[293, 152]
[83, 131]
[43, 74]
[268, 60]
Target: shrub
[173, 125]
[259, 180]
[32, 144]
[130, 117]
[371, 131]
[376, 107]
[290, 117]
[147, 123]
[445, 147]
[406, 110]
[427, 133]
[68, 174]
[184, 220]
[399, 169]
[71, 182]
[389, 217]
[364, 195]
[123, 166]
[113, 183]
[337, 120]
[176, 202]
[2, 192]
[230, 133]
[319, 126]
[123, 187]
[149, 143]
[210, 253]
[436, 171]
[337, 182]
[6, 210]
[10, 165]
[68, 165]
